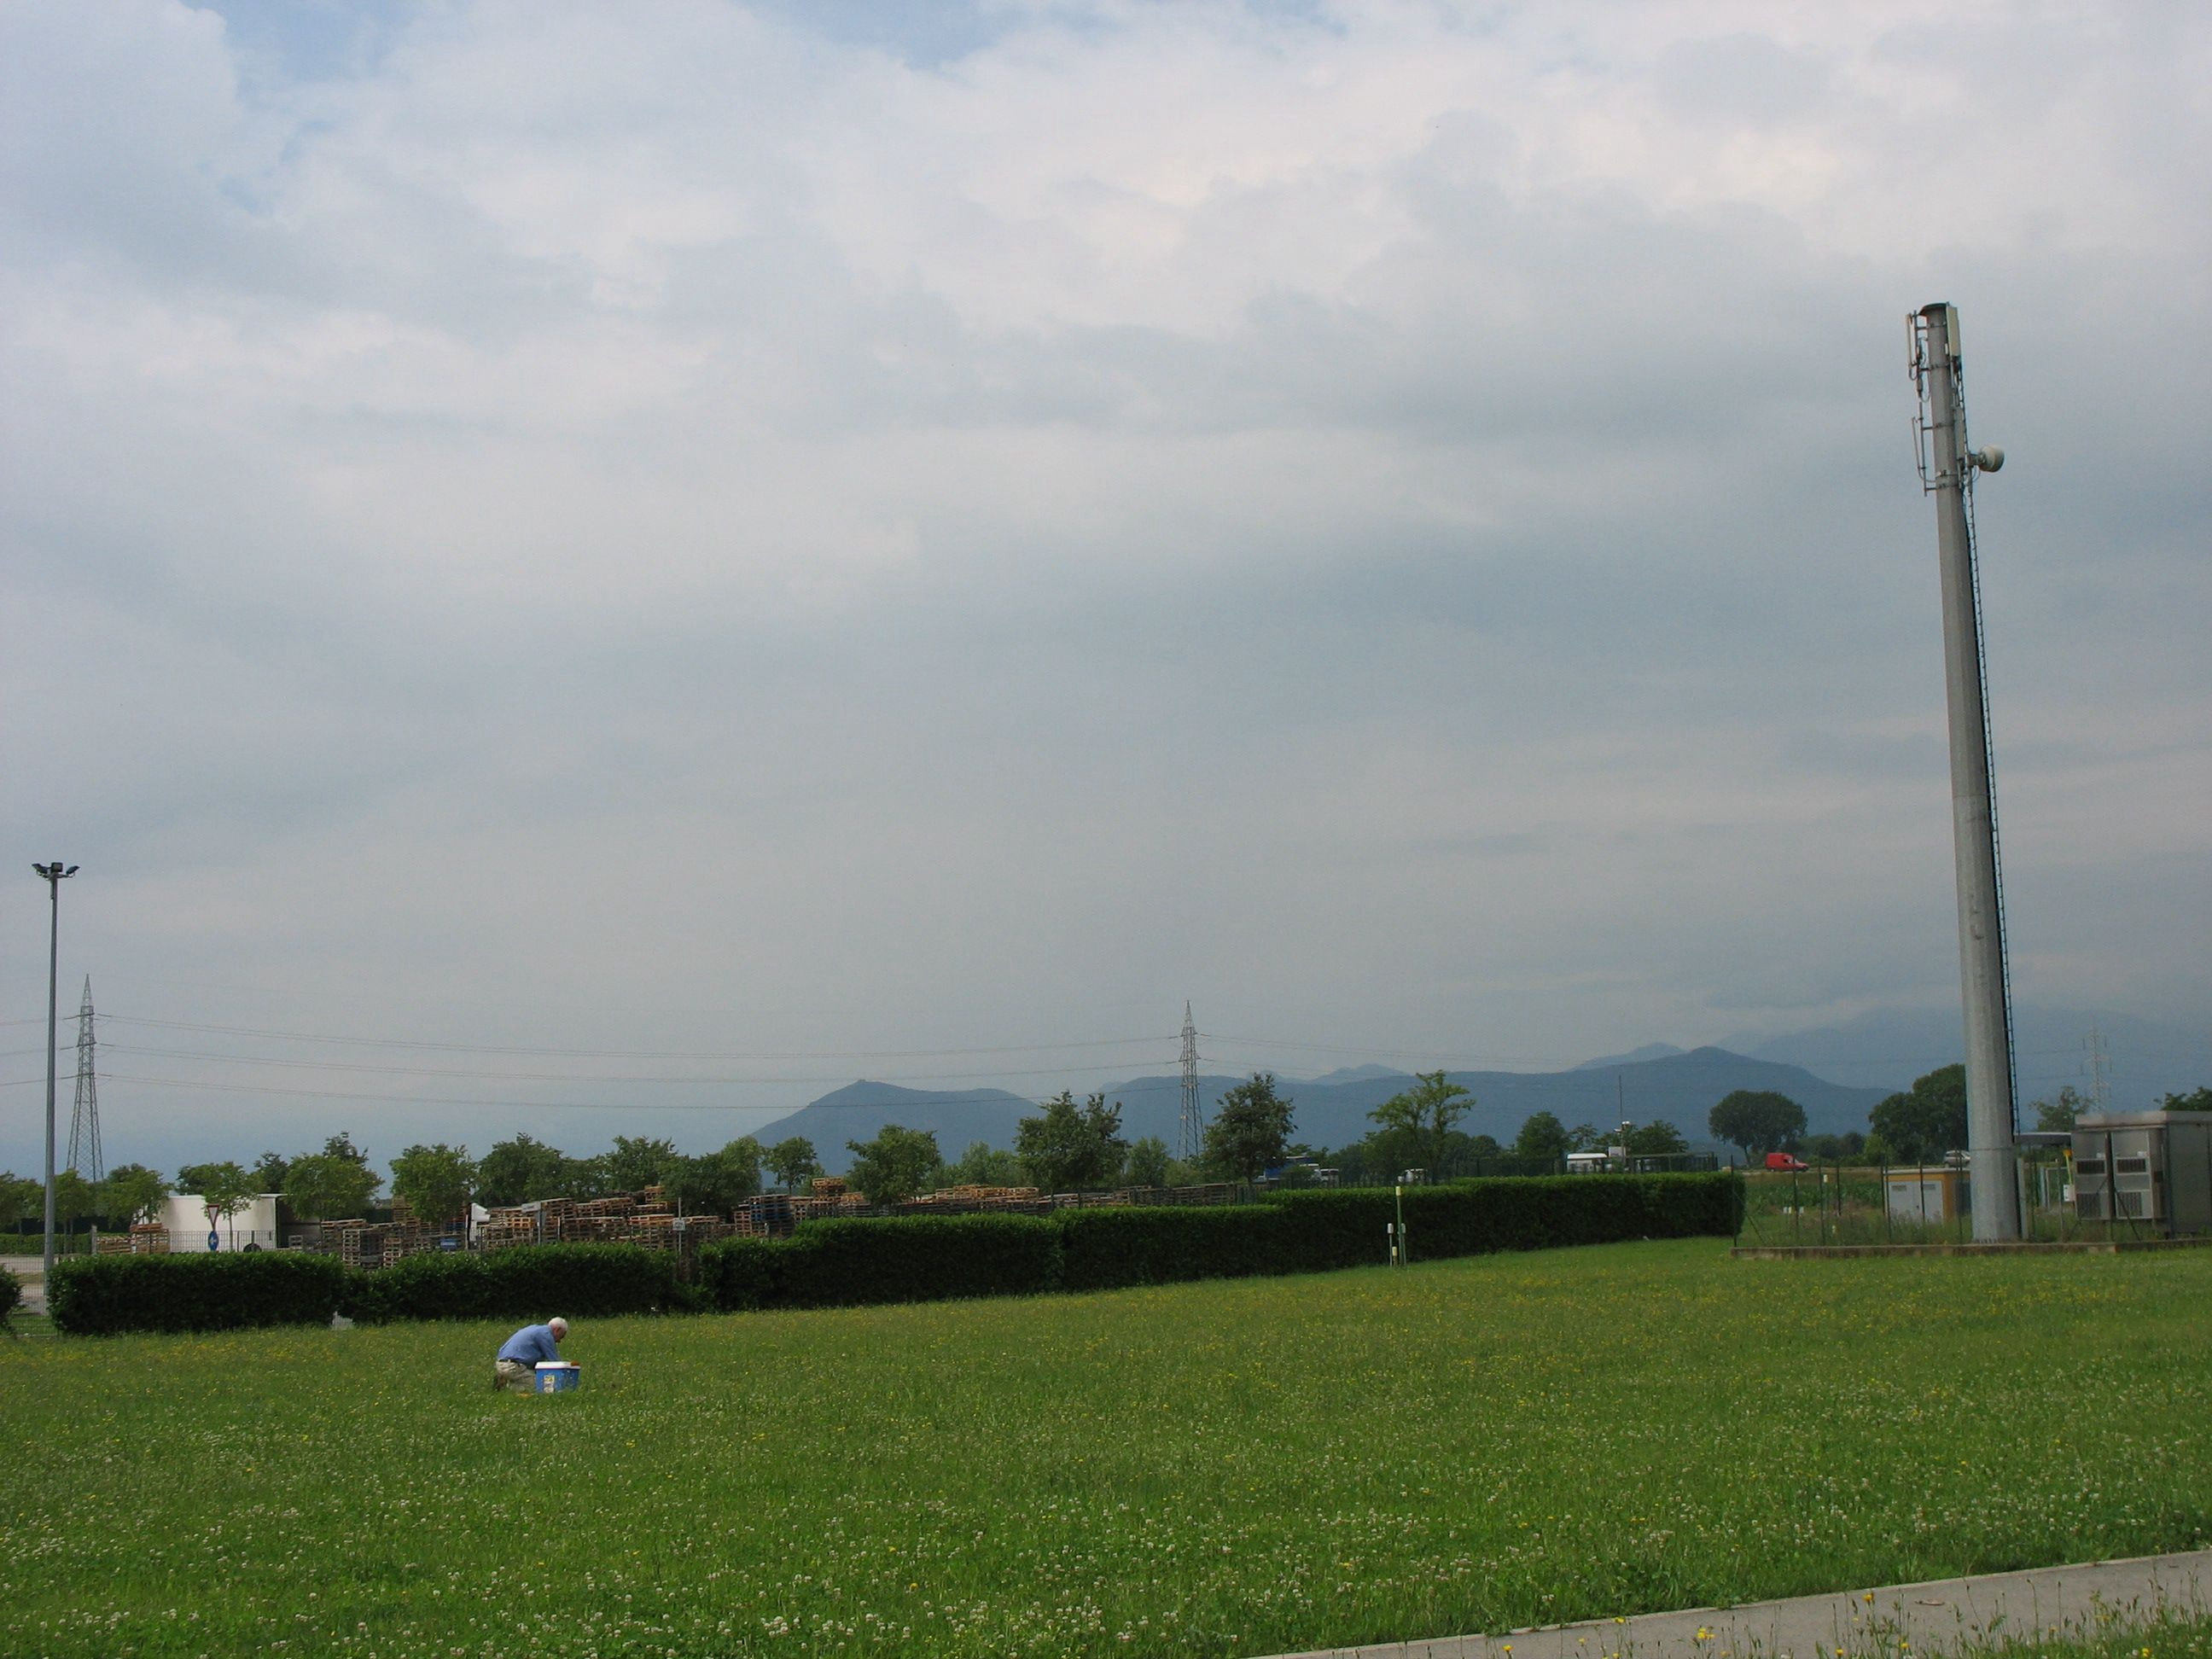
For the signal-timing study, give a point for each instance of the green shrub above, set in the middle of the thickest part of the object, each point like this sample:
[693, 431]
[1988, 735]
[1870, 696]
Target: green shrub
[11, 1293]
[846, 1263]
[923, 1258]
[530, 1281]
[1343, 1228]
[739, 1274]
[1111, 1246]
[101, 1295]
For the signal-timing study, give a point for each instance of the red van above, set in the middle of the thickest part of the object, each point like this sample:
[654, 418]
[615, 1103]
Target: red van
[1784, 1161]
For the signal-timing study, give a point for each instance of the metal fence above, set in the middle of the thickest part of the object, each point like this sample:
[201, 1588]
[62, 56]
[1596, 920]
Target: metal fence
[1480, 1166]
[1914, 1204]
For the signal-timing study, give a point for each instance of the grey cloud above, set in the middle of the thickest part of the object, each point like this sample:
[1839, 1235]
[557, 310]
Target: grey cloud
[1738, 78]
[493, 564]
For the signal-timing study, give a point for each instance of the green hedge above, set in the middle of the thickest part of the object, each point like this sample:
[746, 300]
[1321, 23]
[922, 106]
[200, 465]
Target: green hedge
[97, 1296]
[1336, 1229]
[530, 1281]
[1108, 1247]
[100, 1295]
[934, 1258]
[927, 1258]
[11, 1293]
[899, 1258]
[738, 1274]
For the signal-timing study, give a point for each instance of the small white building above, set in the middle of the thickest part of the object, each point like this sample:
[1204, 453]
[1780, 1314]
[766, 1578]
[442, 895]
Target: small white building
[185, 1216]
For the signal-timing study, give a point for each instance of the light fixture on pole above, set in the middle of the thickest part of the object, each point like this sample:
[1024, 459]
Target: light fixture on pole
[54, 875]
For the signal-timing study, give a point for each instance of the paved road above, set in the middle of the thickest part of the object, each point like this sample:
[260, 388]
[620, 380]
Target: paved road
[31, 1270]
[1943, 1617]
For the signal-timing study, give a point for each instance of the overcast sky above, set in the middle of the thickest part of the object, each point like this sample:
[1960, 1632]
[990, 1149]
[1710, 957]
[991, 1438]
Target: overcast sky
[746, 547]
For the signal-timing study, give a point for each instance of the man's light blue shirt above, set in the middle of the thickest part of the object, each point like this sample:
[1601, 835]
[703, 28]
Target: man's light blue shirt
[529, 1345]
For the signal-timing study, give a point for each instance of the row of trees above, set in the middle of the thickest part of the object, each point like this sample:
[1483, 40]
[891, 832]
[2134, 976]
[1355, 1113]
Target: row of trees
[335, 1182]
[437, 1181]
[128, 1191]
[1915, 1124]
[1070, 1146]
[1067, 1147]
[1919, 1125]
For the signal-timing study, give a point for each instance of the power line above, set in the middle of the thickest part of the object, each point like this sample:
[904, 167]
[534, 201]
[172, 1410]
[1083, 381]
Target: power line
[557, 1077]
[996, 1098]
[632, 1053]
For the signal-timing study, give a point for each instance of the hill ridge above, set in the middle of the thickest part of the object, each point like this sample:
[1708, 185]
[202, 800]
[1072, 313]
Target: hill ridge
[1681, 1088]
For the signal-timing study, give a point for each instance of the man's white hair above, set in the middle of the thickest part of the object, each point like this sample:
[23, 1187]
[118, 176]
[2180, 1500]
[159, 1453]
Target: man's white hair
[557, 1325]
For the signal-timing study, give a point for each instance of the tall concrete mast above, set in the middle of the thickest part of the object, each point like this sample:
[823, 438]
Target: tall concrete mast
[1947, 472]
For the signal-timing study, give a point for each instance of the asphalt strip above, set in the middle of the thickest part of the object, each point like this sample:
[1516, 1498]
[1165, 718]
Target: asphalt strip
[1947, 1616]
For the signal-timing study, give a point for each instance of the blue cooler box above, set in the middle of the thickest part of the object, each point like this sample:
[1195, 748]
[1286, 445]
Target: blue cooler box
[558, 1375]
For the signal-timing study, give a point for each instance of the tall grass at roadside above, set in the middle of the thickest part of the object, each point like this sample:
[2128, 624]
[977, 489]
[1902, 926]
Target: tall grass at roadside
[2119, 1636]
[1238, 1467]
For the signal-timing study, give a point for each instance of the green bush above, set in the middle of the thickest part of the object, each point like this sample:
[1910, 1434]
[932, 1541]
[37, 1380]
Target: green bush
[739, 1274]
[923, 1258]
[1108, 1246]
[927, 1258]
[1343, 1228]
[101, 1295]
[848, 1263]
[530, 1281]
[11, 1293]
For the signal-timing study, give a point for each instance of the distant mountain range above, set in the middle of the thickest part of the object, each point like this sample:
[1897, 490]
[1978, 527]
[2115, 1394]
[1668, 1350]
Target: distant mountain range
[1397, 1079]
[1678, 1087]
[1648, 1051]
[1837, 1072]
[1887, 1049]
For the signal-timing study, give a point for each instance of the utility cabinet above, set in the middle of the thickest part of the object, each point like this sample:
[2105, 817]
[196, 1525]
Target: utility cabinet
[1929, 1194]
[2151, 1167]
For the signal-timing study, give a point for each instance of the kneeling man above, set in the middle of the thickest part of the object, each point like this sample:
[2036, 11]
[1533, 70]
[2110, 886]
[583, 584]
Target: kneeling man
[516, 1367]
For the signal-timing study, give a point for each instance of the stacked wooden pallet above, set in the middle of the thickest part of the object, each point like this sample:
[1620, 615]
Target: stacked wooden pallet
[349, 1234]
[508, 1226]
[363, 1243]
[771, 1215]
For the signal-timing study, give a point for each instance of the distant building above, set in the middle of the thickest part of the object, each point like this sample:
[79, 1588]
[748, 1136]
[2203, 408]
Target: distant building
[185, 1215]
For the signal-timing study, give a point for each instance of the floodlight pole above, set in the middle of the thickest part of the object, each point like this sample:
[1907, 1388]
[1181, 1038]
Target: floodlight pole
[1950, 465]
[54, 875]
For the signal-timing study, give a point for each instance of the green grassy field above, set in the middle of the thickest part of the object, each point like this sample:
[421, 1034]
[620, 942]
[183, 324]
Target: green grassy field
[1246, 1466]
